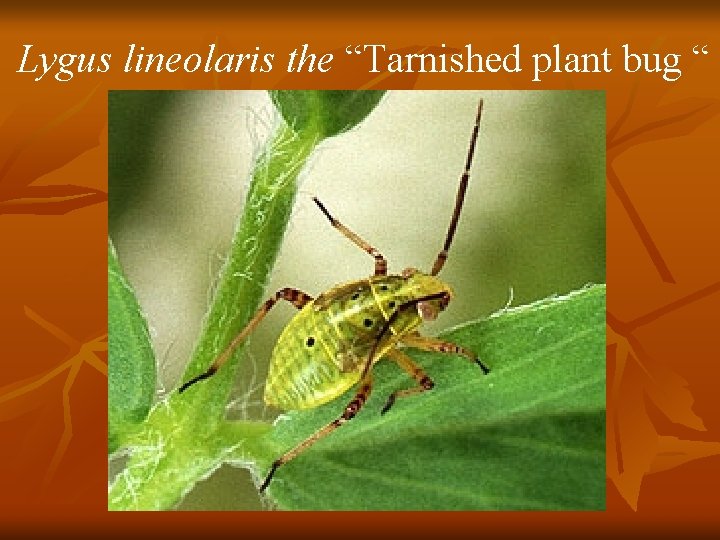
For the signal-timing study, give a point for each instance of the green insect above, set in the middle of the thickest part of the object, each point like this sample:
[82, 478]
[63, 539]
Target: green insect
[335, 339]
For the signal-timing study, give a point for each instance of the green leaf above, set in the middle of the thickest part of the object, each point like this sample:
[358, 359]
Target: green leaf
[136, 121]
[131, 373]
[326, 112]
[530, 435]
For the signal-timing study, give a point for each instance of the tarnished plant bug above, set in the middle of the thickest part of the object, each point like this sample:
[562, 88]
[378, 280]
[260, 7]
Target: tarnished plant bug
[335, 339]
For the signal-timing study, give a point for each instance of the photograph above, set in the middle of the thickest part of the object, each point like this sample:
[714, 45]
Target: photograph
[356, 300]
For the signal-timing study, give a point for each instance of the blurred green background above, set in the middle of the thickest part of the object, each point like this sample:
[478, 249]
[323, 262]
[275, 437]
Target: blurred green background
[533, 223]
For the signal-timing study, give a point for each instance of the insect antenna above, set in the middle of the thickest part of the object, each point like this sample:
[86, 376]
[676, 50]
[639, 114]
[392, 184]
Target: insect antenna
[460, 198]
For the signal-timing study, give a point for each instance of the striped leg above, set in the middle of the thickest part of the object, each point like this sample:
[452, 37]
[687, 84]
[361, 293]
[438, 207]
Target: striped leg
[424, 343]
[294, 296]
[380, 262]
[348, 414]
[424, 382]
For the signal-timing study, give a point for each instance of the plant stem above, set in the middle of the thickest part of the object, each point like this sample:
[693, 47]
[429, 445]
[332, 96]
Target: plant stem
[186, 436]
[255, 245]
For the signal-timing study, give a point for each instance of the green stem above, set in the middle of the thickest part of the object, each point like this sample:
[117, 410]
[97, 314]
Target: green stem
[169, 459]
[186, 436]
[255, 245]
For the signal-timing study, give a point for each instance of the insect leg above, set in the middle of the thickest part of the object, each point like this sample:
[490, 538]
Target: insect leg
[438, 345]
[349, 413]
[294, 296]
[424, 382]
[380, 262]
[360, 397]
[460, 197]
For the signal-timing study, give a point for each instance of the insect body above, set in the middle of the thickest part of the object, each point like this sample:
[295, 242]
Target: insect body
[335, 339]
[322, 351]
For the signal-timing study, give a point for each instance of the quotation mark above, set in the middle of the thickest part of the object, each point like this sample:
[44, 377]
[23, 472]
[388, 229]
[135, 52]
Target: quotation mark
[697, 49]
[356, 50]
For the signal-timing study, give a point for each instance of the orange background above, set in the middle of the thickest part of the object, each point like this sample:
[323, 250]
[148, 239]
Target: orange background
[663, 268]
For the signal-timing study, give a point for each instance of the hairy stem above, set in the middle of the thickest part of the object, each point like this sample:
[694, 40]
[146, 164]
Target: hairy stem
[186, 436]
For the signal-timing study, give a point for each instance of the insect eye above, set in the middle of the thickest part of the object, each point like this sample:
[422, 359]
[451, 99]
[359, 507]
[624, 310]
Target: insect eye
[310, 341]
[391, 304]
[368, 323]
